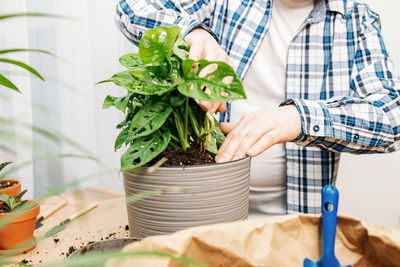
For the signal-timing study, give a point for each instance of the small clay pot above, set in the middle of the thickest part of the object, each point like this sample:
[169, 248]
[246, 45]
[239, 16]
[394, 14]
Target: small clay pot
[12, 190]
[20, 229]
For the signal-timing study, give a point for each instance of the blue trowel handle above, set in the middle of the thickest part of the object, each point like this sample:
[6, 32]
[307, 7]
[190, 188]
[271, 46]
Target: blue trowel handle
[330, 196]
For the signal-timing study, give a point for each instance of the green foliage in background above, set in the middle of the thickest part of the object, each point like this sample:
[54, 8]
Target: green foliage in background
[161, 104]
[4, 81]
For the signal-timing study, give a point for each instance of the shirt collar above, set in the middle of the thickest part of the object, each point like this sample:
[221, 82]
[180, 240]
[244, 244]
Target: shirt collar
[336, 6]
[322, 6]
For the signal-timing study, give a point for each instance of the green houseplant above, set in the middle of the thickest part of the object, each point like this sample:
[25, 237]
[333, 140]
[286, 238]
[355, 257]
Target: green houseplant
[161, 104]
[162, 115]
[19, 229]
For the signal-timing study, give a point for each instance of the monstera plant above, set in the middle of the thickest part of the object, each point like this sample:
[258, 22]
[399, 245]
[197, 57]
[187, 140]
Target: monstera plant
[163, 89]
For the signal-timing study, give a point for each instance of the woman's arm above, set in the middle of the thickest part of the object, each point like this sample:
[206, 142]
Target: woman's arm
[134, 17]
[368, 121]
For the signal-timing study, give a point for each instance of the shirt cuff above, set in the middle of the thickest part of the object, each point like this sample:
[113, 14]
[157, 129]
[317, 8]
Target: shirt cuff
[189, 25]
[315, 120]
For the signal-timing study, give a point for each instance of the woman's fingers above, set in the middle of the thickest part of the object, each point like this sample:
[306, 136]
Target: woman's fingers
[226, 127]
[265, 142]
[222, 107]
[196, 51]
[232, 141]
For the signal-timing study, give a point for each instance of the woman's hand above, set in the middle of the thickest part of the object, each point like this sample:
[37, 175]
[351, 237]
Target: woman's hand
[203, 45]
[258, 131]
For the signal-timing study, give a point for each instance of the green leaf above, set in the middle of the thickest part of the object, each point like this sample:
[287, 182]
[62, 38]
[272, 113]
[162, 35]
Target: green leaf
[130, 61]
[212, 146]
[124, 79]
[181, 49]
[5, 51]
[4, 198]
[109, 101]
[176, 100]
[7, 83]
[22, 65]
[119, 102]
[144, 149]
[144, 82]
[153, 76]
[218, 135]
[149, 119]
[122, 137]
[14, 15]
[20, 195]
[220, 91]
[157, 44]
[4, 164]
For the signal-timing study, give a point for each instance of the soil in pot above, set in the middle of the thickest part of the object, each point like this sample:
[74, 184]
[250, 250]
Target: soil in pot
[10, 187]
[19, 230]
[179, 157]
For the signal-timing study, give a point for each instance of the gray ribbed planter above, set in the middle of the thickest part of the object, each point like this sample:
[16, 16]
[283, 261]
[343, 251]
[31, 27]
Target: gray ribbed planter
[210, 194]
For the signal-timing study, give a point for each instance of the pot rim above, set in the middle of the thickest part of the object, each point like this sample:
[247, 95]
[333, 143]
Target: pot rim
[25, 215]
[190, 166]
[10, 180]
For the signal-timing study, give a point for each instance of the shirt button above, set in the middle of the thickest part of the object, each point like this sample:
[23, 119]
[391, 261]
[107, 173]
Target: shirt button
[356, 136]
[316, 128]
[140, 35]
[268, 4]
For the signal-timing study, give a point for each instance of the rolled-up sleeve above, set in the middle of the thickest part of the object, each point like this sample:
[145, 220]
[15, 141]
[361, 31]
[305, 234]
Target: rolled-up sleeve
[134, 17]
[367, 121]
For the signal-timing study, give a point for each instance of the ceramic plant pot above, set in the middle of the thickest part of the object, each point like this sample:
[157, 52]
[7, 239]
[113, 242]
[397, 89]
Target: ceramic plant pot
[19, 230]
[13, 190]
[209, 194]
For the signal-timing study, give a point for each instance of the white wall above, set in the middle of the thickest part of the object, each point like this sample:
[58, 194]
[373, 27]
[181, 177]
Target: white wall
[370, 185]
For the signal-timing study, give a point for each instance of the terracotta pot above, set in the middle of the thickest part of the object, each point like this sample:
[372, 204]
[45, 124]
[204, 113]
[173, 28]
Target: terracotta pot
[11, 190]
[20, 229]
[212, 193]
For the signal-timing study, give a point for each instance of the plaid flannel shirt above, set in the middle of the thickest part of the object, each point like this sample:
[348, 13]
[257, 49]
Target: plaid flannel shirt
[339, 76]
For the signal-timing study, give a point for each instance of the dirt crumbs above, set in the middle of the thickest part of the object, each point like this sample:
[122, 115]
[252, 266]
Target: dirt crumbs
[56, 240]
[71, 250]
[179, 157]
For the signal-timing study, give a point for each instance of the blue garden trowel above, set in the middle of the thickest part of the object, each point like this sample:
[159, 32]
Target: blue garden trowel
[330, 199]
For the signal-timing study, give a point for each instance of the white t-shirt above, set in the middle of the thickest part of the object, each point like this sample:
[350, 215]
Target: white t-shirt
[265, 86]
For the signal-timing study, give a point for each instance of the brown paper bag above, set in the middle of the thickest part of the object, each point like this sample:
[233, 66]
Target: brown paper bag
[277, 241]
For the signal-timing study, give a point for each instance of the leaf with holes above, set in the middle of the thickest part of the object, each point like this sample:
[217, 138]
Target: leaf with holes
[130, 61]
[148, 119]
[133, 81]
[144, 149]
[157, 44]
[223, 83]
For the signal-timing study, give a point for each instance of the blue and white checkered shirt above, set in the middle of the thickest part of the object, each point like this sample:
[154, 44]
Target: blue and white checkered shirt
[339, 76]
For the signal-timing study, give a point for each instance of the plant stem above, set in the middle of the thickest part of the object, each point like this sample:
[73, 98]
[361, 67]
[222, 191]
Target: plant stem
[174, 146]
[173, 137]
[180, 129]
[195, 124]
[186, 119]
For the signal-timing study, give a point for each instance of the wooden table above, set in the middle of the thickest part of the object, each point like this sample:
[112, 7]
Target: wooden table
[107, 221]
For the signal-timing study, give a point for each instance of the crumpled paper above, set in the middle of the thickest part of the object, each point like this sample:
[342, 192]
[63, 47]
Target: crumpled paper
[277, 241]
